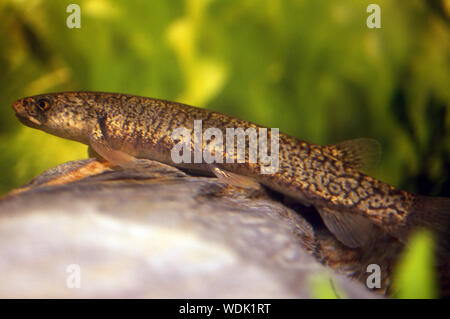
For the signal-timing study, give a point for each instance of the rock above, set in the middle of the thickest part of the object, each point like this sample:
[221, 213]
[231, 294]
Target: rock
[161, 233]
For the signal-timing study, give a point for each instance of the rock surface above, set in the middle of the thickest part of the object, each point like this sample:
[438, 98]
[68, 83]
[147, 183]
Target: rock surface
[160, 233]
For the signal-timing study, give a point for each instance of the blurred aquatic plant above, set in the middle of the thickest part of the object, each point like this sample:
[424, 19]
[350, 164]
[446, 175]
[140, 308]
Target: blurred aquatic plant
[415, 276]
[204, 76]
[323, 287]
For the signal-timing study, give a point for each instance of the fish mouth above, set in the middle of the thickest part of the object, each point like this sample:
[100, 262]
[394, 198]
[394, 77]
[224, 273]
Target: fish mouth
[31, 122]
[21, 114]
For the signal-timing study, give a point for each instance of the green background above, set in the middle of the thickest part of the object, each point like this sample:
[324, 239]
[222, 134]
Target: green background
[311, 68]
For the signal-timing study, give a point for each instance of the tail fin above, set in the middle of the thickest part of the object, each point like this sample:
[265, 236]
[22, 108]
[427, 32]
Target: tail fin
[433, 213]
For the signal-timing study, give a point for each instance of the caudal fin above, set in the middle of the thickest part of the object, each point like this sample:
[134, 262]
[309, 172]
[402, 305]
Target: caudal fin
[432, 213]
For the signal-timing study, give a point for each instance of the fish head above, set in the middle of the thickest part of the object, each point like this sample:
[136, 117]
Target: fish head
[69, 115]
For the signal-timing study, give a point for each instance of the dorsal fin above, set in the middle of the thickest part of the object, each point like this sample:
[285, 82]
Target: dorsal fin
[360, 153]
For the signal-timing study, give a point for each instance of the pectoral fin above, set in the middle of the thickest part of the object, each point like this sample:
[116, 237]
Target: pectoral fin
[360, 153]
[234, 179]
[111, 155]
[99, 147]
[350, 229]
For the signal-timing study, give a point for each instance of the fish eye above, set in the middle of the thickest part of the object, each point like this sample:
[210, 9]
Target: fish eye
[43, 104]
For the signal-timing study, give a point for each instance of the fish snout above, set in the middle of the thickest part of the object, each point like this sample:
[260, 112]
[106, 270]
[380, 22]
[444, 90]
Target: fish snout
[24, 112]
[18, 107]
[22, 106]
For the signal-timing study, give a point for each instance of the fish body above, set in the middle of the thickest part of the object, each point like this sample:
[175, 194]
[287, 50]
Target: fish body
[354, 206]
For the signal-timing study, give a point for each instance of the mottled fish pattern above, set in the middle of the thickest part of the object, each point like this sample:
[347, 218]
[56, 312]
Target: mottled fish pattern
[353, 205]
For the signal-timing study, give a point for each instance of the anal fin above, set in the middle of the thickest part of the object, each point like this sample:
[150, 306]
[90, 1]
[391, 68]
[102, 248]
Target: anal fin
[350, 229]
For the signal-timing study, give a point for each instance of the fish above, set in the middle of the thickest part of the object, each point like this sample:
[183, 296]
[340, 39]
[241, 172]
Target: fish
[128, 130]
